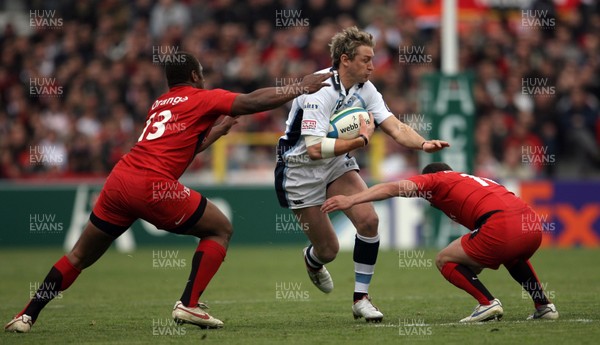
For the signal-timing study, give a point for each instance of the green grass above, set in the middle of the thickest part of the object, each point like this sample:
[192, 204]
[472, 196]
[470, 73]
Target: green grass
[117, 300]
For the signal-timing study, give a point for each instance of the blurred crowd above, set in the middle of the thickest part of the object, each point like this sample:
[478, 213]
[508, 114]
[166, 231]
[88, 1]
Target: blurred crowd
[77, 77]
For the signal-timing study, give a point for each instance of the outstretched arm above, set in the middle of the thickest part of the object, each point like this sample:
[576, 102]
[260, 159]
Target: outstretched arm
[272, 97]
[408, 137]
[380, 191]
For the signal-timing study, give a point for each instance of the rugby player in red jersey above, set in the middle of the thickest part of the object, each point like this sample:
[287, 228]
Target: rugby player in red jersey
[178, 126]
[504, 231]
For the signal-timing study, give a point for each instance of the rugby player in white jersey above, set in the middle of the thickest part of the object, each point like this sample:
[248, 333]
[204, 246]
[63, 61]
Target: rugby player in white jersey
[311, 167]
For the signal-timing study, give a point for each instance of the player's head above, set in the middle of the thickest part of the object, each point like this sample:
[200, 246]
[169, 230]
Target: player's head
[435, 167]
[352, 54]
[184, 68]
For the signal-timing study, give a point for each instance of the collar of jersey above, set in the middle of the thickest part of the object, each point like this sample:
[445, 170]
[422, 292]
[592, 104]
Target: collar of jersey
[337, 83]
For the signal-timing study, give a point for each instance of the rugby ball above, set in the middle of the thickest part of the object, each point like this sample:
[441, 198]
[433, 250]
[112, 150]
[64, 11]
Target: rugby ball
[346, 123]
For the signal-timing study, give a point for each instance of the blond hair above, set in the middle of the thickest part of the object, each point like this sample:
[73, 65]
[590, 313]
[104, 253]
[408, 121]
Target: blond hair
[347, 42]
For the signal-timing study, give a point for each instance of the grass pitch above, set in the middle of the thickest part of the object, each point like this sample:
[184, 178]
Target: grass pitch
[264, 297]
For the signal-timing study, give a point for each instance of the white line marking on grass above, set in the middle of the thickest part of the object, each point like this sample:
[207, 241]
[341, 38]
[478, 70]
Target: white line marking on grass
[469, 324]
[246, 301]
[511, 322]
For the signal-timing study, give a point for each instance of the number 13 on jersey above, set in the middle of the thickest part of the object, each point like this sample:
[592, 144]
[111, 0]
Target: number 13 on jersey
[159, 125]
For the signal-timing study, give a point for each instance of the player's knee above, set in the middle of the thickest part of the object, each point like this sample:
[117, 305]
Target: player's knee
[227, 230]
[327, 256]
[367, 225]
[222, 229]
[77, 259]
[440, 260]
[328, 253]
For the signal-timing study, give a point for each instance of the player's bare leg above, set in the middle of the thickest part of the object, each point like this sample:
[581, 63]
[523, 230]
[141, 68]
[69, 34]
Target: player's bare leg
[461, 270]
[90, 246]
[214, 231]
[366, 244]
[323, 248]
[522, 271]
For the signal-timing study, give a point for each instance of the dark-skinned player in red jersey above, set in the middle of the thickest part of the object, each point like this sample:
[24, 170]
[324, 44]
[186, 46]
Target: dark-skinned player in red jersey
[178, 126]
[504, 231]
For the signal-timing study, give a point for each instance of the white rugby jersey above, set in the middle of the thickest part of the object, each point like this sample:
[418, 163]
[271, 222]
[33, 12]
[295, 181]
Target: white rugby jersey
[310, 115]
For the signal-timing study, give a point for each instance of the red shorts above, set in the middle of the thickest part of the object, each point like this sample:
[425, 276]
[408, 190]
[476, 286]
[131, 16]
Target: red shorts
[505, 238]
[131, 194]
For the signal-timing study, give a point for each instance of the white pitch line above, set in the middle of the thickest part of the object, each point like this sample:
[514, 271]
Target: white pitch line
[383, 325]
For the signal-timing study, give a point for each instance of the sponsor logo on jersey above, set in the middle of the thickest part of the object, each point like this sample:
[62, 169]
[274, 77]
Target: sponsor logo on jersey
[170, 100]
[312, 106]
[309, 124]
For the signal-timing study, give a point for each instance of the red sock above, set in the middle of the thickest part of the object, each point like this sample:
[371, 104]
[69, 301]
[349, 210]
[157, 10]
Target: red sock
[207, 260]
[60, 277]
[463, 278]
[68, 271]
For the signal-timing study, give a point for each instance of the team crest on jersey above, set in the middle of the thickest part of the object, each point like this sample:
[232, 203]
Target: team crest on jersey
[341, 105]
[351, 101]
[309, 124]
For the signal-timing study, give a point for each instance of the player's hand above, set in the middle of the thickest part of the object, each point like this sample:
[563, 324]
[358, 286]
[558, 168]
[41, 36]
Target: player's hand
[314, 82]
[338, 202]
[367, 129]
[431, 146]
[225, 124]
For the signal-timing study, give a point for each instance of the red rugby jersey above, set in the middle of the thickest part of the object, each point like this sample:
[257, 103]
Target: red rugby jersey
[176, 125]
[464, 197]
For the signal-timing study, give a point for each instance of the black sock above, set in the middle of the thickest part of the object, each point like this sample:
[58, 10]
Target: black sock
[359, 295]
[311, 261]
[474, 280]
[524, 274]
[60, 277]
[49, 289]
[365, 257]
[187, 292]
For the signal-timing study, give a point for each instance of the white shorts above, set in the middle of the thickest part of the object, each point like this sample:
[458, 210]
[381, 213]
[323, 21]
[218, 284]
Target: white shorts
[300, 186]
